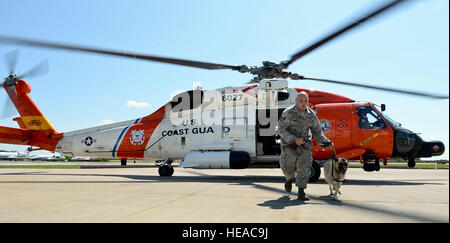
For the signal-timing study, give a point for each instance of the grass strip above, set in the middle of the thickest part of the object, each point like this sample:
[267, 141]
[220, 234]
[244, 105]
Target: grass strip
[39, 167]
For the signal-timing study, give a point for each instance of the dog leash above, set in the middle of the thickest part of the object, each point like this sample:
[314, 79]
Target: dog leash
[334, 151]
[333, 159]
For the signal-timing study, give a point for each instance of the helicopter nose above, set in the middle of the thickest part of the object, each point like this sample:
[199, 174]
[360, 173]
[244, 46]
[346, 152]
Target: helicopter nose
[411, 145]
[433, 148]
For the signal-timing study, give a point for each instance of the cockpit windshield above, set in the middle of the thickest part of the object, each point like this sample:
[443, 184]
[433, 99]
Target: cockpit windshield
[369, 118]
[391, 122]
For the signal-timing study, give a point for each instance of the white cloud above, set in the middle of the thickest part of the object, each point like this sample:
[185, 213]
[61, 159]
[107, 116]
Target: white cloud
[138, 105]
[106, 122]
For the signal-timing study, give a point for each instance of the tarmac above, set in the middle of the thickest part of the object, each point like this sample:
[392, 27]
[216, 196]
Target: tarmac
[218, 196]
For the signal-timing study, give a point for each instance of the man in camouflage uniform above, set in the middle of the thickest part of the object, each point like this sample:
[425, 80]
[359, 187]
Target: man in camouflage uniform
[296, 126]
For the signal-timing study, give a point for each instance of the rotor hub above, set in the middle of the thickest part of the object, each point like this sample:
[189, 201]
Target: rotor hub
[269, 70]
[11, 80]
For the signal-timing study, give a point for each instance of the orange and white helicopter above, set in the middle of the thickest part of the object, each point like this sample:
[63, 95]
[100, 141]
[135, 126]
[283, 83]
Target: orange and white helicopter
[231, 127]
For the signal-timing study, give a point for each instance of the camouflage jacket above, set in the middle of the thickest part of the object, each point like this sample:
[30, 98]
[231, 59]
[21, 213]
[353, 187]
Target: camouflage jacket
[299, 124]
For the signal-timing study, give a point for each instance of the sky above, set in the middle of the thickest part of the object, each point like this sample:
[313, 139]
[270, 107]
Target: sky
[405, 48]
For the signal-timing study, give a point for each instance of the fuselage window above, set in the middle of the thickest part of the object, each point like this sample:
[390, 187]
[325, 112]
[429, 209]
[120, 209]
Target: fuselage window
[283, 95]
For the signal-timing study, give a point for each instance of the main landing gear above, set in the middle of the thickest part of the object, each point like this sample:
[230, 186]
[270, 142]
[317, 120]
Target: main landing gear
[165, 167]
[368, 156]
[315, 172]
[372, 166]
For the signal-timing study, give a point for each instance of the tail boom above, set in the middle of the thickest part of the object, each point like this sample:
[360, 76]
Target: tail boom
[19, 136]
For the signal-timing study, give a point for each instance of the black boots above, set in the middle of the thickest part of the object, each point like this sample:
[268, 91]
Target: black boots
[288, 185]
[301, 191]
[301, 195]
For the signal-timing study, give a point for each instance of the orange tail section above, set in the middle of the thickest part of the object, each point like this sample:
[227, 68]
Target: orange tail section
[35, 129]
[14, 135]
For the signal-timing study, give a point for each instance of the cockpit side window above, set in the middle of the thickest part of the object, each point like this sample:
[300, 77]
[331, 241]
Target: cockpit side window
[369, 118]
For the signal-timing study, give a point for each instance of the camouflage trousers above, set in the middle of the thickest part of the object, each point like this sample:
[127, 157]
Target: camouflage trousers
[296, 164]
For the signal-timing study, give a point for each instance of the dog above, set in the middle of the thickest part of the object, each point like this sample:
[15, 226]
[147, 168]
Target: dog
[335, 169]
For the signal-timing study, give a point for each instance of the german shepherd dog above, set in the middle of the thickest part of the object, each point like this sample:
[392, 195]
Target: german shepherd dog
[334, 170]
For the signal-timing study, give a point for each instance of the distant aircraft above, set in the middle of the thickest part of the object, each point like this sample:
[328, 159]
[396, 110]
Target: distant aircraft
[13, 155]
[82, 158]
[47, 157]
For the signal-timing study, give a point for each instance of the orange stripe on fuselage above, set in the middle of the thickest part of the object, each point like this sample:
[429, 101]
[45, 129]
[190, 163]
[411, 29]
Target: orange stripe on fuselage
[135, 140]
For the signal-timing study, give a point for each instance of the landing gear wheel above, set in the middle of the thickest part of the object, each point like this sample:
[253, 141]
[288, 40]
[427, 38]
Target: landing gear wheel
[369, 167]
[315, 172]
[377, 164]
[165, 170]
[411, 163]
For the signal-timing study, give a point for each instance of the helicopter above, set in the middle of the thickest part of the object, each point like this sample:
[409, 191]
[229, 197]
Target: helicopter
[231, 127]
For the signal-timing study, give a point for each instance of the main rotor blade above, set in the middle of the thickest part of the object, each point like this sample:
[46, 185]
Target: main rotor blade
[40, 69]
[401, 91]
[353, 24]
[53, 45]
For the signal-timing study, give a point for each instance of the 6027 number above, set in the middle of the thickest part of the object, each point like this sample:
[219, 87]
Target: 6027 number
[232, 97]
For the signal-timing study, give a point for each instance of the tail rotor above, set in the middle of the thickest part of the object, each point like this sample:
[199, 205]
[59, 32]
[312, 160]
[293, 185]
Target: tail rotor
[7, 109]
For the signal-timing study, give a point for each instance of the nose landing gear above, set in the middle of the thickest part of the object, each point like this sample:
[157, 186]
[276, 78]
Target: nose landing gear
[411, 163]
